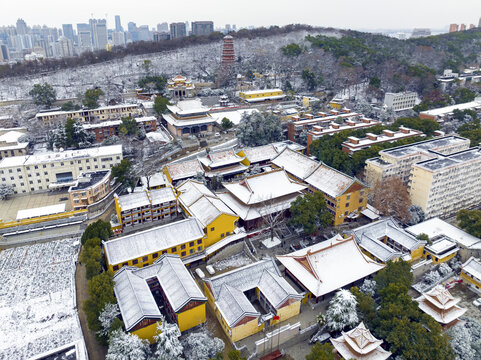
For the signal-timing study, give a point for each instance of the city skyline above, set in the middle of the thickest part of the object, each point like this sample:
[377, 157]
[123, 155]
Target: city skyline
[368, 15]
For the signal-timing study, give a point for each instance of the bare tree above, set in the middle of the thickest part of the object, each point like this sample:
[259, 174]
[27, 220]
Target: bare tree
[273, 216]
[391, 198]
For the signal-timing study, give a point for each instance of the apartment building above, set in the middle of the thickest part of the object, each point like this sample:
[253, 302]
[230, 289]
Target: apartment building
[400, 101]
[110, 128]
[262, 95]
[55, 170]
[398, 161]
[102, 113]
[145, 206]
[11, 144]
[90, 188]
[447, 184]
[441, 114]
[353, 144]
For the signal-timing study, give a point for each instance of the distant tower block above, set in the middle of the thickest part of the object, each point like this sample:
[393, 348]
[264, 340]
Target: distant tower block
[228, 54]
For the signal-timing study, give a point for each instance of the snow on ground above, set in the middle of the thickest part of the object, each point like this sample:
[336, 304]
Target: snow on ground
[234, 116]
[234, 261]
[158, 135]
[37, 299]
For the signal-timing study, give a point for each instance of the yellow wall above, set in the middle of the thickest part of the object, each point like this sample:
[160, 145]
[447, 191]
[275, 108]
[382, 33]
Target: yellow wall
[151, 259]
[267, 93]
[420, 187]
[222, 225]
[242, 331]
[166, 172]
[335, 105]
[147, 332]
[354, 201]
[417, 253]
[287, 312]
[191, 318]
[468, 278]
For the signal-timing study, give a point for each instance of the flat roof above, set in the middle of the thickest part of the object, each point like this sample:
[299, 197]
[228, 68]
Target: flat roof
[445, 161]
[146, 242]
[40, 211]
[90, 179]
[449, 109]
[424, 146]
[49, 113]
[255, 92]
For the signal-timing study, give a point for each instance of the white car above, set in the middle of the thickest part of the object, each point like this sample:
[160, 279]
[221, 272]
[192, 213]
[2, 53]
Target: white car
[477, 302]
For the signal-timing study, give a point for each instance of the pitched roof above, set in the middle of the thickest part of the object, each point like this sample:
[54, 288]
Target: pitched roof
[263, 187]
[441, 305]
[260, 153]
[184, 169]
[318, 267]
[473, 267]
[146, 242]
[220, 158]
[234, 305]
[295, 163]
[135, 299]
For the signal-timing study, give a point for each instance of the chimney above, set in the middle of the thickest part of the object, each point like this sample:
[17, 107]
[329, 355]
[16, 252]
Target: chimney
[371, 136]
[353, 140]
[350, 122]
[388, 133]
[404, 130]
[295, 118]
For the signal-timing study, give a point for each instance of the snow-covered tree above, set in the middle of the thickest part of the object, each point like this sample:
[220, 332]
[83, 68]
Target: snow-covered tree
[432, 277]
[444, 269]
[416, 214]
[368, 287]
[341, 313]
[106, 318]
[125, 346]
[202, 346]
[460, 341]
[111, 140]
[257, 129]
[168, 343]
[5, 191]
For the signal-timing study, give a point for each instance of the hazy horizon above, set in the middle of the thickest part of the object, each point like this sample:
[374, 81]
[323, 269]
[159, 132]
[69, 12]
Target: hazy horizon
[368, 15]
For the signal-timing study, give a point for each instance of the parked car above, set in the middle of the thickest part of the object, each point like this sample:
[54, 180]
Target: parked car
[477, 302]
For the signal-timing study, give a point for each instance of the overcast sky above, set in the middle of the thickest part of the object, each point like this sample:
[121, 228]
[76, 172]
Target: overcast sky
[354, 14]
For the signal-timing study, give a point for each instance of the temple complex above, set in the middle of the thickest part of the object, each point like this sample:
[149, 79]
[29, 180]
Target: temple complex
[179, 87]
[188, 117]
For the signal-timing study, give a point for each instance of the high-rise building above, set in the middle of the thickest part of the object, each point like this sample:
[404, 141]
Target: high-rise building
[163, 28]
[479, 23]
[228, 53]
[417, 33]
[4, 55]
[118, 25]
[202, 27]
[99, 33]
[453, 28]
[67, 30]
[65, 47]
[21, 27]
[177, 30]
[462, 27]
[84, 41]
[118, 38]
[227, 28]
[144, 33]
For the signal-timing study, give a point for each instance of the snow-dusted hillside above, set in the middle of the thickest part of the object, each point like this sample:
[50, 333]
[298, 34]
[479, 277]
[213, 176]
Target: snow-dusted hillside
[197, 62]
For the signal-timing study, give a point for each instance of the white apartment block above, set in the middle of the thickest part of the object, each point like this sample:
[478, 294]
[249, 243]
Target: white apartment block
[400, 101]
[399, 161]
[447, 184]
[54, 170]
[103, 113]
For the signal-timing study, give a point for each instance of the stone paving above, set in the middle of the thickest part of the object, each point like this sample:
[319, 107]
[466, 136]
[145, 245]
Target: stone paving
[10, 207]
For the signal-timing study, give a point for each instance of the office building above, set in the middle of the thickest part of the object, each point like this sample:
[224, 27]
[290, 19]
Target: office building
[118, 38]
[65, 47]
[21, 27]
[400, 101]
[4, 54]
[177, 30]
[118, 25]
[55, 170]
[90, 187]
[162, 28]
[99, 33]
[67, 30]
[202, 28]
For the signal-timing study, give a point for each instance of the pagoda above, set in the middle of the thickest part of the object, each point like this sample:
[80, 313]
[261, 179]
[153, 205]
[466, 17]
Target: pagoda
[441, 305]
[359, 344]
[228, 54]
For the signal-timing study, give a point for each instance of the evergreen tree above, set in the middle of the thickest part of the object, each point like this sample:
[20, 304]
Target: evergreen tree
[341, 313]
[43, 94]
[310, 212]
[125, 346]
[257, 129]
[168, 343]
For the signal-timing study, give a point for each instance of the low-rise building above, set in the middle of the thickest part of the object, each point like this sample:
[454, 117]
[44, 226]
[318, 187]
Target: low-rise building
[225, 163]
[318, 268]
[231, 296]
[189, 117]
[163, 290]
[400, 101]
[441, 306]
[155, 181]
[345, 196]
[11, 144]
[359, 344]
[182, 170]
[443, 186]
[90, 188]
[182, 238]
[253, 96]
[471, 274]
[398, 161]
[385, 240]
[146, 206]
[217, 219]
[441, 114]
[54, 170]
[259, 155]
[258, 196]
[180, 87]
[353, 144]
[103, 113]
[441, 250]
[106, 129]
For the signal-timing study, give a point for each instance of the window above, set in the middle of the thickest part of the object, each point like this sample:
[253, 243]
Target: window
[345, 214]
[348, 197]
[347, 204]
[199, 248]
[212, 229]
[191, 244]
[145, 258]
[182, 247]
[192, 251]
[164, 252]
[221, 235]
[199, 241]
[182, 253]
[155, 255]
[116, 267]
[174, 249]
[135, 262]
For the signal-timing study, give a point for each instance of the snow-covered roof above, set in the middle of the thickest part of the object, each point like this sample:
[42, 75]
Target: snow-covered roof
[256, 92]
[260, 153]
[135, 299]
[441, 305]
[378, 249]
[264, 187]
[359, 343]
[295, 163]
[449, 109]
[184, 170]
[133, 200]
[228, 289]
[40, 211]
[146, 242]
[436, 227]
[472, 267]
[11, 137]
[111, 123]
[442, 247]
[48, 157]
[186, 107]
[318, 267]
[235, 116]
[111, 107]
[191, 191]
[387, 227]
[162, 195]
[220, 158]
[157, 179]
[204, 120]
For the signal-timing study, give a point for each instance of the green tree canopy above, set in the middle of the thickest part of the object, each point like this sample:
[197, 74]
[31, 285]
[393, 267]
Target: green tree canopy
[463, 95]
[226, 124]
[128, 126]
[123, 172]
[394, 272]
[375, 82]
[427, 126]
[99, 229]
[91, 98]
[322, 352]
[470, 221]
[69, 106]
[43, 94]
[160, 105]
[291, 50]
[153, 83]
[310, 212]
